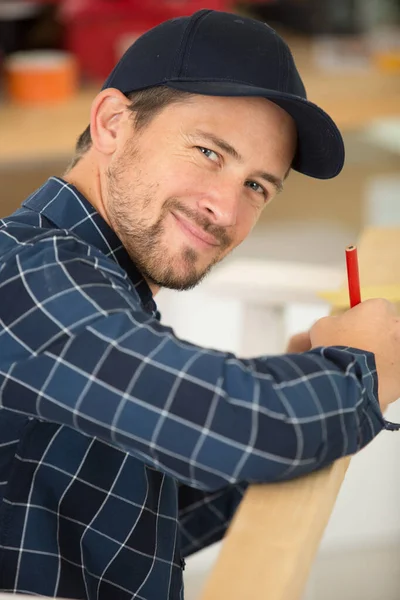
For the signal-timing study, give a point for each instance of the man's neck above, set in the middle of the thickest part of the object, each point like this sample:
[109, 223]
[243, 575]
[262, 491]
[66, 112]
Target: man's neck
[86, 178]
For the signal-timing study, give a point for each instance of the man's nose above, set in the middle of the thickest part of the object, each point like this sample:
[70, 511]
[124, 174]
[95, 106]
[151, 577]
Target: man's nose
[221, 204]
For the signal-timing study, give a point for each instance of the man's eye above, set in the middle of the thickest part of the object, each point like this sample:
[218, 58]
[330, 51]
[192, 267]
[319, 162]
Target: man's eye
[209, 153]
[256, 187]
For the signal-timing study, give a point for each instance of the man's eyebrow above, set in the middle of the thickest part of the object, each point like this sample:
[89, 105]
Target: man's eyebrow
[226, 147]
[222, 144]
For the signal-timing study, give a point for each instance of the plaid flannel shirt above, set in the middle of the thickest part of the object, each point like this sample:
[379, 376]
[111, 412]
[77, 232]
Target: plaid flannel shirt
[123, 448]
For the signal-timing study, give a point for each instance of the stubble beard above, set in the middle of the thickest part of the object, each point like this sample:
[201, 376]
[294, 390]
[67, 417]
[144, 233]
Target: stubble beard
[144, 242]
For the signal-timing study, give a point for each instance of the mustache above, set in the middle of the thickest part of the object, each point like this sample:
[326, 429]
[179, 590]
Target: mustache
[216, 231]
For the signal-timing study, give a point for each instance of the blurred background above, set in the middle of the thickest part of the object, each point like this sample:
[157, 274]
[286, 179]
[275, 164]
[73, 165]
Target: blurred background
[54, 55]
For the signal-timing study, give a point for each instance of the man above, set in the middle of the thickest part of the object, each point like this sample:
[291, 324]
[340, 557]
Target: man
[124, 449]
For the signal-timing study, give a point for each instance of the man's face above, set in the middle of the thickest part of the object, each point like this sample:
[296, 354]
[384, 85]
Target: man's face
[185, 190]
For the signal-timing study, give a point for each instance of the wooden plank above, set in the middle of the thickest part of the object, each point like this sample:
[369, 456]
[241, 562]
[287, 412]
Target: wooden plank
[272, 542]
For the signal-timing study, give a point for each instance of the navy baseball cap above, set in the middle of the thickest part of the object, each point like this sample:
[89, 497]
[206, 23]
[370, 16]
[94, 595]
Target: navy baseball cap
[223, 54]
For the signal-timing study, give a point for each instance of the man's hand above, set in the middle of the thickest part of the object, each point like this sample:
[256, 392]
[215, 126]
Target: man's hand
[374, 326]
[299, 343]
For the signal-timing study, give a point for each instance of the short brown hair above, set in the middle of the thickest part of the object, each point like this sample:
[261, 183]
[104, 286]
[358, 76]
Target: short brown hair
[144, 105]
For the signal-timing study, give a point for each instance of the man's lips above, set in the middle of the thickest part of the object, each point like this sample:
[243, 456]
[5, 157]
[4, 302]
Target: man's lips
[198, 233]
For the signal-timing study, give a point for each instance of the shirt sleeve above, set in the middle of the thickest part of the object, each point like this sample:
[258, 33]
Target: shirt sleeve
[78, 349]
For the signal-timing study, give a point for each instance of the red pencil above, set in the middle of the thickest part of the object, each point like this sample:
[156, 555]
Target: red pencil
[353, 276]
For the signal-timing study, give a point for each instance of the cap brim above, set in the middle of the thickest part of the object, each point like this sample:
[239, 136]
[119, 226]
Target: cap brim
[320, 150]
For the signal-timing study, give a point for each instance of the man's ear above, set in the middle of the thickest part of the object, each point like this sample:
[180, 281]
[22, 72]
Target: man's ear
[106, 119]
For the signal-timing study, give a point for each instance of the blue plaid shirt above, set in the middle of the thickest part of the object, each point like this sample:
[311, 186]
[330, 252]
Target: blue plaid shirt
[123, 448]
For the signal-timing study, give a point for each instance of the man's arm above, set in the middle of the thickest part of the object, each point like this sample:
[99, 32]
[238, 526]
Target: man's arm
[205, 517]
[77, 349]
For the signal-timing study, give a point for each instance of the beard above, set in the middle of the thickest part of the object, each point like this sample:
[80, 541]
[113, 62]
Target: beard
[128, 201]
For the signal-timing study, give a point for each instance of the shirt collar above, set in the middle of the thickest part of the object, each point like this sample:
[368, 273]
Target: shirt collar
[64, 206]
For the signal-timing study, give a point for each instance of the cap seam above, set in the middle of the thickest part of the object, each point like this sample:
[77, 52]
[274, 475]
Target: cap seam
[180, 54]
[185, 61]
[287, 62]
[280, 69]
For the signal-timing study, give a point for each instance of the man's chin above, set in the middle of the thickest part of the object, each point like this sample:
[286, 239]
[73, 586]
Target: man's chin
[173, 280]
[179, 284]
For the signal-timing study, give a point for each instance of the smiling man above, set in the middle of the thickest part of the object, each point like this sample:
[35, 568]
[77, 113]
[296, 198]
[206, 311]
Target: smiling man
[123, 448]
[187, 187]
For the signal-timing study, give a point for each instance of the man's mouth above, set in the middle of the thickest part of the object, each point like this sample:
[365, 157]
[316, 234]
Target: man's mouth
[196, 233]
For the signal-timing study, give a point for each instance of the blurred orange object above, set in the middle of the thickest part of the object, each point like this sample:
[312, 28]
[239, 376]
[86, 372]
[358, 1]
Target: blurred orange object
[40, 77]
[388, 62]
